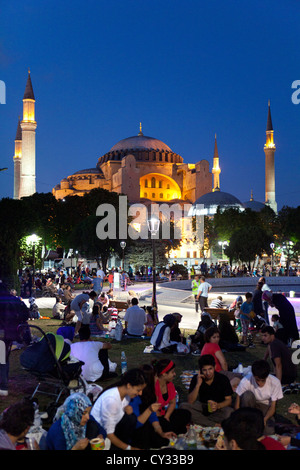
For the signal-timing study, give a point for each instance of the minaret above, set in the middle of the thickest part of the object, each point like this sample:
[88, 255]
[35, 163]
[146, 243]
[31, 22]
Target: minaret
[28, 126]
[216, 169]
[269, 150]
[17, 161]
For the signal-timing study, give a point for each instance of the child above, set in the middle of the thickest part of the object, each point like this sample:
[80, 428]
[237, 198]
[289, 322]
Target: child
[246, 316]
[276, 323]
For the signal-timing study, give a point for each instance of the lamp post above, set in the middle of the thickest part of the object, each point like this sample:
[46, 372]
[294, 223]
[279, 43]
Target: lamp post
[33, 239]
[153, 227]
[222, 244]
[272, 246]
[123, 245]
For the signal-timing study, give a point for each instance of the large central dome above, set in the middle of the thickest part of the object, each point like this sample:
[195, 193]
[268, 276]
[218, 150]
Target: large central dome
[143, 148]
[140, 142]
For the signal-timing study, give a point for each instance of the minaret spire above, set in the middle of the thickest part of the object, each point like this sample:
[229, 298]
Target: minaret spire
[28, 126]
[269, 149]
[141, 132]
[216, 168]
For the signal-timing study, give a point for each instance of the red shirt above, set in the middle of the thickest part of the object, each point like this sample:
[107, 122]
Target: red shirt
[212, 348]
[272, 444]
[171, 395]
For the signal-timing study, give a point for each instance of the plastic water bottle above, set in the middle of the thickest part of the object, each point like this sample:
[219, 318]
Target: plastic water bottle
[177, 399]
[123, 363]
[191, 439]
[240, 368]
[188, 341]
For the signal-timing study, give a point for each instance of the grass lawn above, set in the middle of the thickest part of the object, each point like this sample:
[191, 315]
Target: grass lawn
[22, 383]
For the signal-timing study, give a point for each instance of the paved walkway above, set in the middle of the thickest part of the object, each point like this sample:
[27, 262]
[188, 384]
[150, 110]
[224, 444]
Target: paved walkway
[176, 296]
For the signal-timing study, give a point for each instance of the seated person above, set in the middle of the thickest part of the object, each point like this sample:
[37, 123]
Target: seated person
[135, 319]
[198, 340]
[151, 322]
[176, 334]
[74, 428]
[290, 440]
[96, 321]
[285, 369]
[276, 323]
[228, 338]
[94, 354]
[161, 335]
[15, 423]
[260, 389]
[58, 310]
[210, 394]
[217, 303]
[103, 299]
[243, 430]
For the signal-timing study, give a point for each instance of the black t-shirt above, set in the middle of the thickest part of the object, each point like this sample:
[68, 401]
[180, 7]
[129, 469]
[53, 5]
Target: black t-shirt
[216, 391]
[279, 349]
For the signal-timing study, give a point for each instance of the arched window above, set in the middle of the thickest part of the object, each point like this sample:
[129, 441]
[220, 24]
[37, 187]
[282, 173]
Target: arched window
[153, 182]
[146, 183]
[160, 184]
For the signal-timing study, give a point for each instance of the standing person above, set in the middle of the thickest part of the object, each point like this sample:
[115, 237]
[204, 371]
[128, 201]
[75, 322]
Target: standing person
[97, 284]
[13, 311]
[246, 310]
[171, 418]
[210, 394]
[264, 288]
[195, 286]
[260, 389]
[287, 318]
[280, 355]
[135, 319]
[109, 410]
[203, 291]
[257, 300]
[81, 302]
[101, 275]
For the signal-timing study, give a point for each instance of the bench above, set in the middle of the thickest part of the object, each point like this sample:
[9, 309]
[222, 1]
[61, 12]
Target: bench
[217, 312]
[119, 305]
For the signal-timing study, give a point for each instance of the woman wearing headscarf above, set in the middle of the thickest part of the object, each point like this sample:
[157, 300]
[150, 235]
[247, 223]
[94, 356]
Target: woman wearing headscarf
[161, 335]
[69, 431]
[287, 317]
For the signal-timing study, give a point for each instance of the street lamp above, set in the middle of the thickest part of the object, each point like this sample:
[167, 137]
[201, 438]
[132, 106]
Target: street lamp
[272, 246]
[222, 244]
[123, 245]
[153, 227]
[32, 240]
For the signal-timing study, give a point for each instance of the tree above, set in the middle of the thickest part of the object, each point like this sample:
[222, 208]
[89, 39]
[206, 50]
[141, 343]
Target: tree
[248, 242]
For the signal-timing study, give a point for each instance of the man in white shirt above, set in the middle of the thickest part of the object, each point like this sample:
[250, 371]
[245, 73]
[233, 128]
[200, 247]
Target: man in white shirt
[94, 354]
[135, 319]
[203, 291]
[261, 390]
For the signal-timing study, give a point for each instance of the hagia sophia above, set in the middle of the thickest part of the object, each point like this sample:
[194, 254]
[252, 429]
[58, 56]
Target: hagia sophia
[143, 168]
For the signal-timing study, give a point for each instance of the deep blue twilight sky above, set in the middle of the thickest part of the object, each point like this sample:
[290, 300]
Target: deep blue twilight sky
[186, 69]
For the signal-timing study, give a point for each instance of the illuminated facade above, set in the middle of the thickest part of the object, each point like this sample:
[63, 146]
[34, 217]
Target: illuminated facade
[143, 168]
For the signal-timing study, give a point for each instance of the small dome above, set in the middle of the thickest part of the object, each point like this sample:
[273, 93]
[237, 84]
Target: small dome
[209, 203]
[254, 205]
[140, 142]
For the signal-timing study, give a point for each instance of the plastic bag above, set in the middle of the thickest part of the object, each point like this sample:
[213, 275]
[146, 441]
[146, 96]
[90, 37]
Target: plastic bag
[182, 348]
[118, 330]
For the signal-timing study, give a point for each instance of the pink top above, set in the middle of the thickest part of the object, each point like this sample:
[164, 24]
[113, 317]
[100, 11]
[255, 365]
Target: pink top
[212, 348]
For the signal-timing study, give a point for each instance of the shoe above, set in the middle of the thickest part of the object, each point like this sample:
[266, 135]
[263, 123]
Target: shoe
[286, 390]
[3, 393]
[196, 353]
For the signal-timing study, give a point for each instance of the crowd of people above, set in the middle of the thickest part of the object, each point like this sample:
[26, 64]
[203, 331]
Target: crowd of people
[142, 409]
